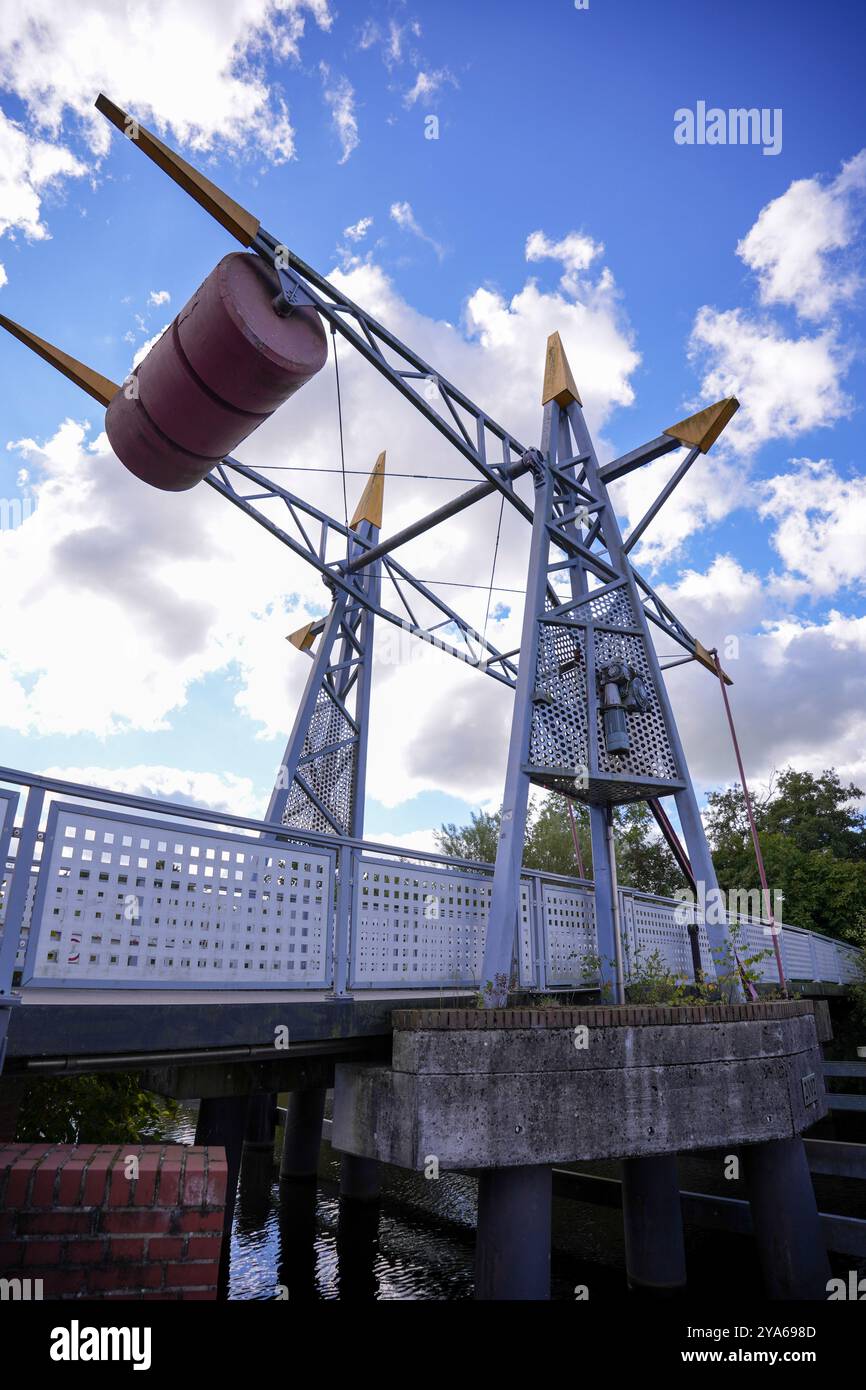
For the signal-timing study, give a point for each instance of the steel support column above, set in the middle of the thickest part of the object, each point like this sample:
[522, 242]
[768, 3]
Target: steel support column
[501, 941]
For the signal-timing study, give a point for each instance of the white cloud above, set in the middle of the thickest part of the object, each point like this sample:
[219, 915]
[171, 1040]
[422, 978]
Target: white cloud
[426, 85]
[28, 169]
[820, 524]
[157, 297]
[714, 486]
[189, 67]
[359, 229]
[4, 278]
[796, 245]
[192, 70]
[141, 352]
[784, 385]
[576, 252]
[418, 840]
[340, 98]
[799, 684]
[403, 215]
[218, 791]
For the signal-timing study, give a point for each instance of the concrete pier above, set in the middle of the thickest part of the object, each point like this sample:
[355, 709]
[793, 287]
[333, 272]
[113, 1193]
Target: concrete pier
[510, 1092]
[261, 1122]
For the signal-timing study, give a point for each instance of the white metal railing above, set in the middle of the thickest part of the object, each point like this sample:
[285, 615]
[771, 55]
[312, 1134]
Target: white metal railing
[102, 889]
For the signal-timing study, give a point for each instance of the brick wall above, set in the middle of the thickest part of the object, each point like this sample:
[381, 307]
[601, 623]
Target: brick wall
[77, 1217]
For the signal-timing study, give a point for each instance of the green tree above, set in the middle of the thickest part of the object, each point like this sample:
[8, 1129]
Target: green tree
[813, 842]
[110, 1109]
[478, 840]
[550, 842]
[643, 859]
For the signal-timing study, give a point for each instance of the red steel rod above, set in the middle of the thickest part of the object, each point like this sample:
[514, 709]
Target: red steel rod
[754, 829]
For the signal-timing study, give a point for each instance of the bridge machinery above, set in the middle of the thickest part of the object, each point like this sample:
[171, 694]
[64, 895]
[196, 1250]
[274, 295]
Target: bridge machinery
[591, 720]
[591, 716]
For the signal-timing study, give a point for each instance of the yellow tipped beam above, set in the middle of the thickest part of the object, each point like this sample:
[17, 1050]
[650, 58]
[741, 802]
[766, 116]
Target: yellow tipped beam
[304, 638]
[242, 224]
[703, 656]
[703, 429]
[558, 381]
[97, 386]
[369, 507]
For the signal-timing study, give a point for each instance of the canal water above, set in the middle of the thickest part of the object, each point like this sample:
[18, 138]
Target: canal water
[291, 1240]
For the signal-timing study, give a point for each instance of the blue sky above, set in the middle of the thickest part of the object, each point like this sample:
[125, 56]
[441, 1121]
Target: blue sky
[143, 641]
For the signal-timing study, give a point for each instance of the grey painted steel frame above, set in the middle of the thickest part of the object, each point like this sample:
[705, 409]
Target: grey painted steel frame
[477, 650]
[349, 628]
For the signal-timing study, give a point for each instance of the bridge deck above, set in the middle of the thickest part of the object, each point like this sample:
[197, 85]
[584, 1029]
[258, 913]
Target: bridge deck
[54, 1030]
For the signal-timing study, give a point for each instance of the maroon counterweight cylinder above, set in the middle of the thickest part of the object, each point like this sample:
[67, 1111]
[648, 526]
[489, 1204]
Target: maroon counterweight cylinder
[219, 370]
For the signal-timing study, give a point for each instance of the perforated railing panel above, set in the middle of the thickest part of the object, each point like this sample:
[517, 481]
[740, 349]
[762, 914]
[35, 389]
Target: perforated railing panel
[569, 927]
[797, 956]
[418, 925]
[828, 960]
[122, 901]
[653, 924]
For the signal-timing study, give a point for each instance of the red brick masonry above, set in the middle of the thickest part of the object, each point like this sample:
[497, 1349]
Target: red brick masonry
[76, 1217]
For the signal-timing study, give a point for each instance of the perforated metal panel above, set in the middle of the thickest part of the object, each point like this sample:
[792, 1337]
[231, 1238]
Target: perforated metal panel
[651, 754]
[327, 765]
[756, 939]
[558, 737]
[8, 804]
[416, 924]
[134, 901]
[800, 956]
[828, 959]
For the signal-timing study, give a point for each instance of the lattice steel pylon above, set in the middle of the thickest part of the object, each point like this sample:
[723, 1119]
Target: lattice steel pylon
[591, 715]
[320, 782]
